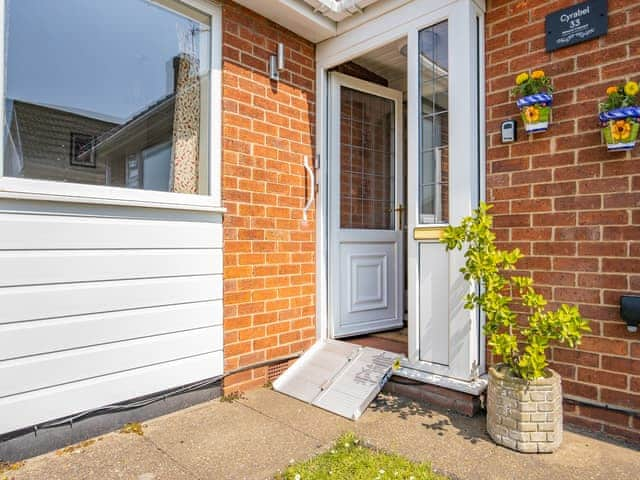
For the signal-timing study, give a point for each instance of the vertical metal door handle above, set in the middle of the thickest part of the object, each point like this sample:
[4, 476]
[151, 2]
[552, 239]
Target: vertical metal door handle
[312, 185]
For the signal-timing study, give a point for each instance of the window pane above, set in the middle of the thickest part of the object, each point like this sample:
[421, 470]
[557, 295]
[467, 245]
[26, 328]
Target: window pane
[367, 158]
[434, 132]
[107, 92]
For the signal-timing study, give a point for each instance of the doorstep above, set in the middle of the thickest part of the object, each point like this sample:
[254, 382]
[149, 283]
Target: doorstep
[344, 378]
[457, 395]
[458, 402]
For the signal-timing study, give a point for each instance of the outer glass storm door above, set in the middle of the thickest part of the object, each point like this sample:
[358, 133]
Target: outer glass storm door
[365, 212]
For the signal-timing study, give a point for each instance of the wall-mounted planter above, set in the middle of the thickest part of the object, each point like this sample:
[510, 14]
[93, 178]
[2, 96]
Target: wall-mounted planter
[536, 111]
[620, 128]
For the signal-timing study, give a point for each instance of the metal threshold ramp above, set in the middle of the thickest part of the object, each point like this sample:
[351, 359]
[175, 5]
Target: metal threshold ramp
[340, 377]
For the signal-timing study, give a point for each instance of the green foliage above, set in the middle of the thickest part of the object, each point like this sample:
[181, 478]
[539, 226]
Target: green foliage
[134, 427]
[522, 345]
[529, 84]
[7, 468]
[620, 96]
[350, 460]
[232, 397]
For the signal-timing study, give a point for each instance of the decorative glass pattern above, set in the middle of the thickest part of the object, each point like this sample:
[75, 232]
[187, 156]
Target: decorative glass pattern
[367, 156]
[434, 132]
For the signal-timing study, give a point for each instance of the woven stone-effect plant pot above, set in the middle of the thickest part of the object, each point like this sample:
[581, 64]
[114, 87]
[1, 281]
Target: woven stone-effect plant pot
[524, 416]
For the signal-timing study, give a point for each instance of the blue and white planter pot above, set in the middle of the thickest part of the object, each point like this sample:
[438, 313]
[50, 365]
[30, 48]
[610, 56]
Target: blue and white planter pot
[620, 128]
[536, 111]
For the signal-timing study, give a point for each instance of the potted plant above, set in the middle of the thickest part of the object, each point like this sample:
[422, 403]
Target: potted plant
[524, 399]
[619, 116]
[535, 100]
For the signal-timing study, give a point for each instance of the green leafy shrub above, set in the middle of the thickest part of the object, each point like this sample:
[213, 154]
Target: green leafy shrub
[523, 347]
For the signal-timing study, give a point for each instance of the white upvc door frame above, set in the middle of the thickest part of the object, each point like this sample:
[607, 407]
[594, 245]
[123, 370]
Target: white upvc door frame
[406, 21]
[32, 189]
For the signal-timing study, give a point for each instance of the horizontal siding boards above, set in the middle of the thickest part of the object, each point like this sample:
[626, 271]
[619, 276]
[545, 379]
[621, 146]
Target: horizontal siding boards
[49, 232]
[20, 411]
[16, 206]
[102, 307]
[51, 301]
[23, 339]
[42, 371]
[66, 266]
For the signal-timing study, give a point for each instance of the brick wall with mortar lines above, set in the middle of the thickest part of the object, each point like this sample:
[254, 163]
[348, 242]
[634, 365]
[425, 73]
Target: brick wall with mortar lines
[569, 205]
[269, 251]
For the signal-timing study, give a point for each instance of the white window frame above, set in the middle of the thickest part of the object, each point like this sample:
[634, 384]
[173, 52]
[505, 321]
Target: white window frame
[32, 189]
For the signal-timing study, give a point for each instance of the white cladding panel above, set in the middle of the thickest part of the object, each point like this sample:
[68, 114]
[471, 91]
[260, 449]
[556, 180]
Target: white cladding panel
[42, 405]
[38, 267]
[38, 337]
[104, 305]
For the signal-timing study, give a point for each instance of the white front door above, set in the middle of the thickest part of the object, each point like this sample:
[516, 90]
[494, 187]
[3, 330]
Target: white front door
[365, 207]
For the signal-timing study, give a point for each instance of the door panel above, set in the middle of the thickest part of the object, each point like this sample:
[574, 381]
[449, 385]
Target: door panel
[368, 280]
[434, 303]
[368, 297]
[365, 234]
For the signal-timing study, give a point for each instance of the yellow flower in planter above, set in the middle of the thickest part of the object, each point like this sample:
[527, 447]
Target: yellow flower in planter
[631, 88]
[621, 130]
[537, 74]
[531, 114]
[611, 90]
[523, 77]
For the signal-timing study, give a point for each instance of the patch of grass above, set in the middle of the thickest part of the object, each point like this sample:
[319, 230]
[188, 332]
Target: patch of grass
[73, 448]
[134, 427]
[10, 467]
[7, 468]
[232, 397]
[349, 459]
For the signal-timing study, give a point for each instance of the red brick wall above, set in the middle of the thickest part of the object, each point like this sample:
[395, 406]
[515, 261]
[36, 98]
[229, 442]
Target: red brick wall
[570, 206]
[269, 252]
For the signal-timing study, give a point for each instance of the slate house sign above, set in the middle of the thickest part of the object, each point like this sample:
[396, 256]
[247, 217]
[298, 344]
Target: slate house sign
[576, 24]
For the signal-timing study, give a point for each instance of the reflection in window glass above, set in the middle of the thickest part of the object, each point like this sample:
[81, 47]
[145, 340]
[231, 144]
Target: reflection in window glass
[434, 161]
[107, 92]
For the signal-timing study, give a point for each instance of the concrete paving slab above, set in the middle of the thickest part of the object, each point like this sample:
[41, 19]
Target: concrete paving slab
[114, 456]
[324, 426]
[458, 446]
[254, 437]
[231, 441]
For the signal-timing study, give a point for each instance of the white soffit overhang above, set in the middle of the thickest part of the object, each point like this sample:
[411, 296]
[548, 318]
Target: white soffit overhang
[315, 20]
[338, 10]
